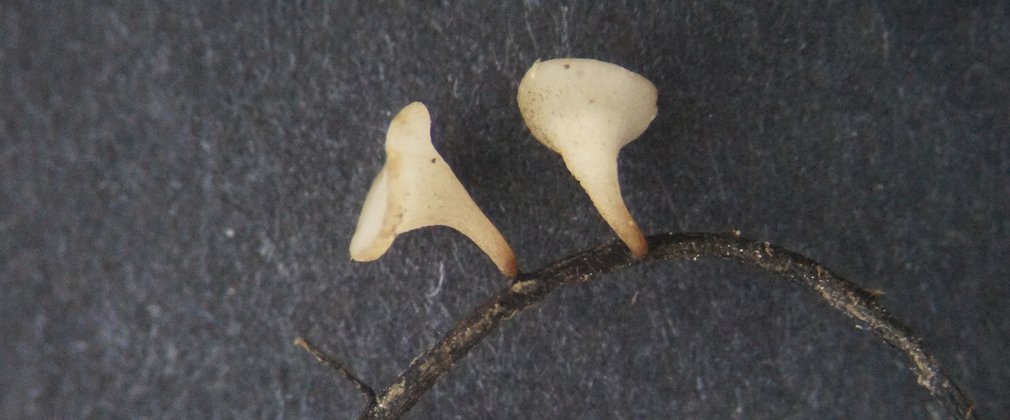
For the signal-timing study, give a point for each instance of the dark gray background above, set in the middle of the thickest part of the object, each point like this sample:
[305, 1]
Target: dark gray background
[179, 182]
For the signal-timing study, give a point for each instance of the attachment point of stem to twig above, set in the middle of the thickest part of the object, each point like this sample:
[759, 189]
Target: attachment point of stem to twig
[360, 385]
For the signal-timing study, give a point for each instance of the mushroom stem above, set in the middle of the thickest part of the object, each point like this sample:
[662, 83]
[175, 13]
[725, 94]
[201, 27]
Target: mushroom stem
[599, 179]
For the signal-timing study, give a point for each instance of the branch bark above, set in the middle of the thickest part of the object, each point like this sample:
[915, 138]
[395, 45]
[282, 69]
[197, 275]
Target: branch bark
[529, 289]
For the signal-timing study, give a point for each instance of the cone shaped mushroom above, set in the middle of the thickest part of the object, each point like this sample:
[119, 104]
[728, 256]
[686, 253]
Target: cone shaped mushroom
[587, 110]
[415, 189]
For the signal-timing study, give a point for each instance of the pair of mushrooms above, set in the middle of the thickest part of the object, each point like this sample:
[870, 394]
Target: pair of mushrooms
[586, 110]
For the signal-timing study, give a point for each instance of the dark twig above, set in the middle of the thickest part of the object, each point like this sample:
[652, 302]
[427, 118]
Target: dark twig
[529, 289]
[360, 385]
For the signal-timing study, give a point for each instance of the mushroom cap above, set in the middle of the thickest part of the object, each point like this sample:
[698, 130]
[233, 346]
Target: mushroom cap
[608, 105]
[376, 224]
[587, 110]
[416, 188]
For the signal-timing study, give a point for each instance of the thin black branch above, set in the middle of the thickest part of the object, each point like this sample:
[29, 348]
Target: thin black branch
[529, 289]
[360, 385]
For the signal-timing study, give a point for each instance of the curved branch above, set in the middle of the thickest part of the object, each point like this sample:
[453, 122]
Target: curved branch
[328, 361]
[530, 289]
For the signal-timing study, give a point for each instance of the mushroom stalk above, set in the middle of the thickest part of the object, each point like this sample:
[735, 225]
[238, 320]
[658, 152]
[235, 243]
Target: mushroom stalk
[599, 179]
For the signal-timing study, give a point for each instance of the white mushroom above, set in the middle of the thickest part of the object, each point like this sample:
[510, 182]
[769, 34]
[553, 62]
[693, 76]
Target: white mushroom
[415, 189]
[587, 110]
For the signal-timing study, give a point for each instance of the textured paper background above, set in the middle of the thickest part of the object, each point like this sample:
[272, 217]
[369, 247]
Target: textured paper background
[179, 182]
